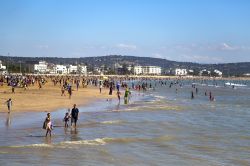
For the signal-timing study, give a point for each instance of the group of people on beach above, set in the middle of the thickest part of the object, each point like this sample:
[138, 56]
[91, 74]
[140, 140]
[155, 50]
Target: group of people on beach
[70, 115]
[67, 83]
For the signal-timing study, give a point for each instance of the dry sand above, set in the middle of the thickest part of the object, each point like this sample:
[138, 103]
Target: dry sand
[48, 98]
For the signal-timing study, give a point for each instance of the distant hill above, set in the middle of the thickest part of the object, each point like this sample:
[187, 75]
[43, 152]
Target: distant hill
[228, 69]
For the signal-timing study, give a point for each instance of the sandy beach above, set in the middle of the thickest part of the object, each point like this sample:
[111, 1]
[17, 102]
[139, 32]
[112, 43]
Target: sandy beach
[48, 98]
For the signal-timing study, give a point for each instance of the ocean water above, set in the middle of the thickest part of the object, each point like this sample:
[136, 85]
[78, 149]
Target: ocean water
[162, 126]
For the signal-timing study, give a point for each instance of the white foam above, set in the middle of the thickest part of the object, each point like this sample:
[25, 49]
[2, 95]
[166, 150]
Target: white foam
[66, 144]
[93, 142]
[112, 122]
[33, 145]
[97, 141]
[160, 97]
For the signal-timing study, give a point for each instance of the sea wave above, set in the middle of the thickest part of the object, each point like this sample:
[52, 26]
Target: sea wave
[154, 108]
[96, 142]
[43, 145]
[112, 122]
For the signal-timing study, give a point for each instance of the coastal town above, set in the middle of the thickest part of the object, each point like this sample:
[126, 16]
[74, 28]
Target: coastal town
[43, 67]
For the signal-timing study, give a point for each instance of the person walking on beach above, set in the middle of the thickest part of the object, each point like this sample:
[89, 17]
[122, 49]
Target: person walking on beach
[110, 89]
[47, 125]
[70, 91]
[63, 91]
[13, 89]
[9, 104]
[74, 115]
[100, 86]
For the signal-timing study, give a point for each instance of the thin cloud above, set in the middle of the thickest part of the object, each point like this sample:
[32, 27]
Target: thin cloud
[225, 46]
[126, 46]
[199, 58]
[43, 47]
[157, 55]
[204, 47]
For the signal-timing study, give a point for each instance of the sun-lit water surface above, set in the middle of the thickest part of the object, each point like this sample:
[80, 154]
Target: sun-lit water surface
[162, 126]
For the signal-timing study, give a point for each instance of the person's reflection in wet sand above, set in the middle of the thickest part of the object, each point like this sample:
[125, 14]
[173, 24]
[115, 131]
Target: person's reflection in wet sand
[74, 131]
[118, 107]
[8, 120]
[47, 140]
[74, 134]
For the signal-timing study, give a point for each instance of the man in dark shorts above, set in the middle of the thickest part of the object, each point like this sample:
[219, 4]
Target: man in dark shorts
[74, 115]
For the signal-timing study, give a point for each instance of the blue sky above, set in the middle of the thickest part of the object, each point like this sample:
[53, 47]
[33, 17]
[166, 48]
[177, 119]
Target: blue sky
[204, 31]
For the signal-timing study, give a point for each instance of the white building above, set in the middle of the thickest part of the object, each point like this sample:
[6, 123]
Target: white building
[129, 68]
[2, 67]
[138, 70]
[60, 69]
[147, 70]
[82, 69]
[219, 73]
[180, 72]
[205, 72]
[42, 67]
[71, 69]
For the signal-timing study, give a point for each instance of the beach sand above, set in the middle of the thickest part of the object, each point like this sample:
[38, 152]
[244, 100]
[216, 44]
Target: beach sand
[48, 98]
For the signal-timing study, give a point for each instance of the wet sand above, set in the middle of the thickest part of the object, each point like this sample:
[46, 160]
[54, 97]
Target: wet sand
[48, 98]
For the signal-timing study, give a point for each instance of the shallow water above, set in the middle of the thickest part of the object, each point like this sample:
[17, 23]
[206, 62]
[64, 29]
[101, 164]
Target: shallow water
[158, 127]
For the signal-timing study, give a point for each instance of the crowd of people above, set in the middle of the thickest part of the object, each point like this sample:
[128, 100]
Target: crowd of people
[67, 83]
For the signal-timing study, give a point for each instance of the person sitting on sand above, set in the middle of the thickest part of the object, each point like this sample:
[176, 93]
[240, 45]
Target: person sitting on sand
[47, 125]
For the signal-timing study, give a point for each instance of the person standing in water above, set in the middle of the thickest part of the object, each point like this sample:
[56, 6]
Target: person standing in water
[210, 96]
[47, 125]
[192, 95]
[126, 96]
[74, 115]
[66, 119]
